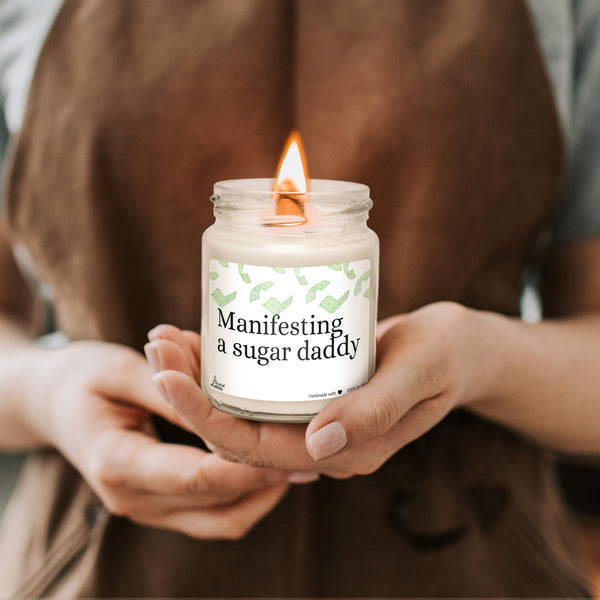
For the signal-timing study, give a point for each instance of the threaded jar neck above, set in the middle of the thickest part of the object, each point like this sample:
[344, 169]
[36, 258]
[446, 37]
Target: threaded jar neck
[330, 206]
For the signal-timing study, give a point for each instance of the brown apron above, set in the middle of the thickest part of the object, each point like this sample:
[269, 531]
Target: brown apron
[443, 108]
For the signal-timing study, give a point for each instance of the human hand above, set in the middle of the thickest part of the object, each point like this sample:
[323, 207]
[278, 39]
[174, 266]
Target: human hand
[427, 365]
[94, 405]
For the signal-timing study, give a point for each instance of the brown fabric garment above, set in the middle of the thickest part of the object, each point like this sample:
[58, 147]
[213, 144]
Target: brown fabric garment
[444, 109]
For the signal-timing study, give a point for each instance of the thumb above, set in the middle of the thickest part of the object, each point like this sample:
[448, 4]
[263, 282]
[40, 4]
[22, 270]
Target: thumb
[368, 412]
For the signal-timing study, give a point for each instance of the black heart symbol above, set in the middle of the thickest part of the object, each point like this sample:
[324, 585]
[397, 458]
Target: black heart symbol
[339, 391]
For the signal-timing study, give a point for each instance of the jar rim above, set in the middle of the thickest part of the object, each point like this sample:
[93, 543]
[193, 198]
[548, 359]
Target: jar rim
[248, 202]
[319, 189]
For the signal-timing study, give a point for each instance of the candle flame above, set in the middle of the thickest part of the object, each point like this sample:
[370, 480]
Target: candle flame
[291, 182]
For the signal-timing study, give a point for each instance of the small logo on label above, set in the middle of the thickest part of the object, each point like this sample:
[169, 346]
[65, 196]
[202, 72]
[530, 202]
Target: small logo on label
[215, 383]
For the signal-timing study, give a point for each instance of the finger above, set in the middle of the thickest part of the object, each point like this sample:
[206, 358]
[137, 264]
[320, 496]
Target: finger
[368, 457]
[186, 342]
[419, 420]
[127, 378]
[385, 325]
[166, 355]
[194, 342]
[135, 461]
[229, 522]
[220, 473]
[269, 445]
[372, 410]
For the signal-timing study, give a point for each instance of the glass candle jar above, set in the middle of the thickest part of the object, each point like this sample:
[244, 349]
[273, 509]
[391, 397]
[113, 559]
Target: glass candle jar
[288, 309]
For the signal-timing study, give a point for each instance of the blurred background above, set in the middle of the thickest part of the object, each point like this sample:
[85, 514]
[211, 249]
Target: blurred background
[580, 481]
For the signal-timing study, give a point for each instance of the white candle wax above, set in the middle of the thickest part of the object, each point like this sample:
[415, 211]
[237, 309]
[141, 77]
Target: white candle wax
[289, 312]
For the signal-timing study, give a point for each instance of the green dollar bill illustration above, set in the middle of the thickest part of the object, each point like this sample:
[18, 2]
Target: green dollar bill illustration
[276, 307]
[213, 275]
[364, 277]
[280, 270]
[301, 279]
[245, 277]
[221, 299]
[224, 263]
[350, 274]
[337, 267]
[331, 304]
[257, 289]
[312, 293]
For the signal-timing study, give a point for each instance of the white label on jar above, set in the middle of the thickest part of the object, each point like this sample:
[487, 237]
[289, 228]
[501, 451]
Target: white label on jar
[288, 334]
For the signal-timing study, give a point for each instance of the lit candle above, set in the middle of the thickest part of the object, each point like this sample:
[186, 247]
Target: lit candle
[289, 300]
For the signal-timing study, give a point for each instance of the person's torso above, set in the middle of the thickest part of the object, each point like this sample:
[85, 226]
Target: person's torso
[444, 110]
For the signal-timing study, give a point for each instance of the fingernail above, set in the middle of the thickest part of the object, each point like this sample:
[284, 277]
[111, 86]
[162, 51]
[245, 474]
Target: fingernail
[152, 356]
[212, 447]
[303, 477]
[153, 334]
[326, 441]
[161, 387]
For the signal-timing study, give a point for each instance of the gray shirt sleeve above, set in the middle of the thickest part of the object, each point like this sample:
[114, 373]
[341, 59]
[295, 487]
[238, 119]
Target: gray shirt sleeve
[23, 28]
[3, 145]
[3, 136]
[578, 214]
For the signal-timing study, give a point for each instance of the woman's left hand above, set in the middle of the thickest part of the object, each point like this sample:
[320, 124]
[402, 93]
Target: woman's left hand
[429, 362]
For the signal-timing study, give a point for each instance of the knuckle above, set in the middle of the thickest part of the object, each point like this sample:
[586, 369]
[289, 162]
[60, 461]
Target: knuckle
[382, 413]
[117, 506]
[196, 483]
[451, 314]
[102, 469]
[253, 459]
[189, 486]
[227, 455]
[249, 453]
[433, 376]
[245, 456]
[103, 475]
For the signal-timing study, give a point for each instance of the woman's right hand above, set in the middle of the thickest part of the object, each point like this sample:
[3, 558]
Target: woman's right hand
[93, 401]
